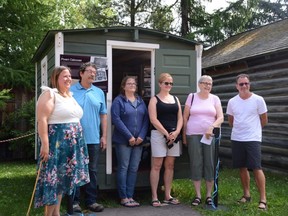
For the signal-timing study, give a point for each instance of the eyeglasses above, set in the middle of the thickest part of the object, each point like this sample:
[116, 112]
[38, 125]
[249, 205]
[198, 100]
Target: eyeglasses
[91, 71]
[206, 83]
[131, 84]
[168, 83]
[242, 84]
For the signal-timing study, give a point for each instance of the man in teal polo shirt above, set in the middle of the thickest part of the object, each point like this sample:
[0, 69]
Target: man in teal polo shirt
[94, 123]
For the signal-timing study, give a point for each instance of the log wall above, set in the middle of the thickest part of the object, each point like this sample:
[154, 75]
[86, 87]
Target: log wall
[269, 79]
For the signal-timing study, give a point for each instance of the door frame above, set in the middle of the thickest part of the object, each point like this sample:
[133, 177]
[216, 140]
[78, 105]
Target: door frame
[112, 44]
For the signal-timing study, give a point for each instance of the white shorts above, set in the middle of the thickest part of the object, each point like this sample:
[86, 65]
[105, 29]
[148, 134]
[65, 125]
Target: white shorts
[159, 147]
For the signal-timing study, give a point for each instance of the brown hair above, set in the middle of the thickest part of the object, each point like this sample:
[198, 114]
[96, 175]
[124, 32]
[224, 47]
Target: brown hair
[242, 76]
[84, 66]
[55, 75]
[123, 83]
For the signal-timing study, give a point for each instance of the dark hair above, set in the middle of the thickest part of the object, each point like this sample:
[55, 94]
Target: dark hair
[55, 75]
[242, 76]
[84, 66]
[123, 83]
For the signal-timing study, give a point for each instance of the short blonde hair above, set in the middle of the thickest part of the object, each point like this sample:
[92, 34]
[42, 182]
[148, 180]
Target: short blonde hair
[164, 76]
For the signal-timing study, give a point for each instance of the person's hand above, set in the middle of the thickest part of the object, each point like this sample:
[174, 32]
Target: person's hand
[173, 135]
[132, 141]
[184, 140]
[103, 143]
[139, 140]
[44, 153]
[209, 132]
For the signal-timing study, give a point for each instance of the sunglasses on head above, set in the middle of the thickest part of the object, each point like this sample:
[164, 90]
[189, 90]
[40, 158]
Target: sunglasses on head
[242, 84]
[168, 83]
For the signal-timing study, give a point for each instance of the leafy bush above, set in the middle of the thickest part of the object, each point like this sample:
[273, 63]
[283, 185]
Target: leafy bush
[19, 123]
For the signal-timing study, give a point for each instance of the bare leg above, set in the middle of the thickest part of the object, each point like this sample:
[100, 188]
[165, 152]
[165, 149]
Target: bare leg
[168, 175]
[260, 182]
[209, 187]
[197, 186]
[53, 210]
[49, 210]
[245, 181]
[154, 175]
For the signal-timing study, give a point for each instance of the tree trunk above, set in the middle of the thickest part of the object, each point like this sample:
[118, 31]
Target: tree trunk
[184, 17]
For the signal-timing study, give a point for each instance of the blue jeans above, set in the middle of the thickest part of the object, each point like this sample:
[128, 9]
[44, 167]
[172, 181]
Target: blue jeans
[90, 188]
[128, 159]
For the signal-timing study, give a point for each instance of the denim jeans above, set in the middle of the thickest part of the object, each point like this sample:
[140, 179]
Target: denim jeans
[90, 188]
[128, 159]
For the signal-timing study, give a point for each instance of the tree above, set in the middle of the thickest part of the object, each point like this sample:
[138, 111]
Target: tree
[142, 13]
[240, 16]
[193, 17]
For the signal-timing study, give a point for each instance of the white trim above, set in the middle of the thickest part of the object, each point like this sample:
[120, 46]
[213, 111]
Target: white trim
[44, 71]
[111, 44]
[132, 45]
[199, 50]
[36, 97]
[59, 47]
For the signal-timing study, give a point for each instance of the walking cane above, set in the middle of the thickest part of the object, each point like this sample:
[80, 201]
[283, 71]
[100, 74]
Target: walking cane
[216, 132]
[33, 193]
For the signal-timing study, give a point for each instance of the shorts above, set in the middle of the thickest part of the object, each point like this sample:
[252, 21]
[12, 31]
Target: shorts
[201, 157]
[159, 147]
[246, 154]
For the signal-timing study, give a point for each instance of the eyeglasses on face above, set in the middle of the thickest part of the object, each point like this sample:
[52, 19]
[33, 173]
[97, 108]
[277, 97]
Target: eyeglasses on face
[91, 71]
[131, 84]
[206, 83]
[242, 84]
[168, 83]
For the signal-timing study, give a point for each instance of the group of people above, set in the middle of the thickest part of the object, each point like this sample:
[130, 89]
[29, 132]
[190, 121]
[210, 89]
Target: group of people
[72, 127]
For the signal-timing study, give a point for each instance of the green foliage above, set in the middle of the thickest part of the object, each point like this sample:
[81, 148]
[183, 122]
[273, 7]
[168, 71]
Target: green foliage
[101, 14]
[19, 123]
[240, 16]
[230, 191]
[22, 29]
[4, 96]
[17, 182]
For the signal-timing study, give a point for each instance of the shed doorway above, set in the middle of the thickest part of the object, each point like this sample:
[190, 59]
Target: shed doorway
[133, 59]
[134, 63]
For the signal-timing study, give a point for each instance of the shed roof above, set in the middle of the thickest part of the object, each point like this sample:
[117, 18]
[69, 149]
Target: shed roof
[259, 41]
[136, 30]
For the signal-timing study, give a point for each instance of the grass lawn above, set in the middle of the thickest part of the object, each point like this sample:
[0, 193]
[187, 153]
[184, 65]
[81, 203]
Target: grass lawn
[17, 181]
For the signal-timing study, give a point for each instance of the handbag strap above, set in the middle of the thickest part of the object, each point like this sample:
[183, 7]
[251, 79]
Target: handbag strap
[192, 99]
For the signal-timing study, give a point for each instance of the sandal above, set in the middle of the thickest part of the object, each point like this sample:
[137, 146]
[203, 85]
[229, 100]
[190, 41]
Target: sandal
[244, 199]
[156, 203]
[136, 204]
[196, 201]
[172, 201]
[128, 204]
[261, 207]
[208, 201]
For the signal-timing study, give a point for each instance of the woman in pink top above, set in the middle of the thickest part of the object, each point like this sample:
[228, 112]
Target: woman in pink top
[202, 113]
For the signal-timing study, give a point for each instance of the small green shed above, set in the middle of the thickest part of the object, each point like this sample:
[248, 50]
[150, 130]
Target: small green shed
[136, 51]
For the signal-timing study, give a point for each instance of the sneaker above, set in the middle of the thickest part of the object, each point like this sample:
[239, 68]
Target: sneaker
[77, 208]
[95, 207]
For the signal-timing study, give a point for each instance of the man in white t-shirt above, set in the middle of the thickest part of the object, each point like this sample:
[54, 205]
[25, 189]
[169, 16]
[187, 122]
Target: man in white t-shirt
[247, 115]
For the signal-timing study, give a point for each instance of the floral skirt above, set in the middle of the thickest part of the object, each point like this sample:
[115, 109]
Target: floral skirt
[67, 166]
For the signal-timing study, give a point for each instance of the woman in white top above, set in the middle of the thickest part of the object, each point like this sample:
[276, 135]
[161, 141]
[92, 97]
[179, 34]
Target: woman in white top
[63, 153]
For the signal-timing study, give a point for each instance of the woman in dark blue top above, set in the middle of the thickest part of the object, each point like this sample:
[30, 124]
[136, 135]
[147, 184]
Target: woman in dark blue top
[166, 117]
[130, 119]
